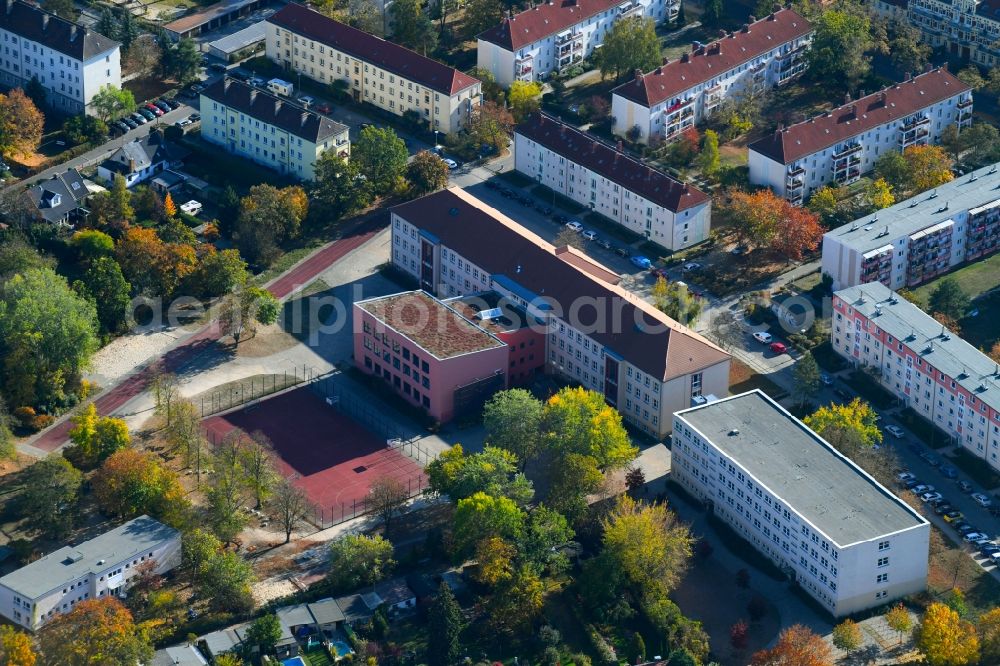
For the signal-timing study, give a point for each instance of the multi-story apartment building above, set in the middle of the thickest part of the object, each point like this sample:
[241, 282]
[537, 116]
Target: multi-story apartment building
[918, 238]
[837, 147]
[104, 566]
[927, 367]
[968, 29]
[839, 534]
[267, 129]
[596, 333]
[70, 61]
[554, 36]
[609, 181]
[381, 73]
[661, 104]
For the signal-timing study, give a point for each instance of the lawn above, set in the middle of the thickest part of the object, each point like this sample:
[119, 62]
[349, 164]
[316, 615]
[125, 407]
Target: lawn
[869, 390]
[975, 279]
[982, 331]
[742, 379]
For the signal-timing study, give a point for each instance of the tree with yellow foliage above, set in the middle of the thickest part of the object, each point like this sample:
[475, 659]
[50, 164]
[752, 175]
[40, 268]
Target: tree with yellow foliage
[879, 194]
[929, 167]
[898, 619]
[847, 427]
[989, 636]
[169, 209]
[580, 421]
[16, 648]
[946, 639]
[495, 557]
[95, 438]
[96, 632]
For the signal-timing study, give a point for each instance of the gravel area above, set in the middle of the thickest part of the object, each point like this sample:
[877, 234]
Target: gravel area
[123, 355]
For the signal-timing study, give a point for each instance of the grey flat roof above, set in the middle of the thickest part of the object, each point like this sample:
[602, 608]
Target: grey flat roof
[916, 329]
[69, 563]
[795, 464]
[921, 211]
[326, 611]
[295, 616]
[241, 39]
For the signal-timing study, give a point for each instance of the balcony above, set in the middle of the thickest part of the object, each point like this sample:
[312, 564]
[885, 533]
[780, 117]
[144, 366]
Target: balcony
[965, 103]
[569, 39]
[795, 170]
[632, 8]
[846, 150]
[793, 184]
[915, 121]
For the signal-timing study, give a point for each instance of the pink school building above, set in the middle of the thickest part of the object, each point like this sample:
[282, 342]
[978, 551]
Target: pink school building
[447, 358]
[927, 367]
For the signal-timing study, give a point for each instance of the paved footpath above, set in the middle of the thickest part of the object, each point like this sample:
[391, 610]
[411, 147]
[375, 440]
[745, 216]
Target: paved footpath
[114, 397]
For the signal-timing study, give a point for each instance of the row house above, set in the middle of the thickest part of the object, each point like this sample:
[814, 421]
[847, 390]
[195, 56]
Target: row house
[552, 37]
[928, 368]
[837, 147]
[70, 61]
[604, 178]
[595, 333]
[268, 129]
[919, 238]
[376, 71]
[841, 536]
[966, 29]
[661, 104]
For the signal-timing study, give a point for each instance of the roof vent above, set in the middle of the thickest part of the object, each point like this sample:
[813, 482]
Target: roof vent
[933, 195]
[100, 562]
[893, 300]
[734, 432]
[453, 212]
[878, 311]
[993, 169]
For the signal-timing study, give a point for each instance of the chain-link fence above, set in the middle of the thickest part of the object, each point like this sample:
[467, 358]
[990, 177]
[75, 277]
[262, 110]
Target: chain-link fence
[247, 390]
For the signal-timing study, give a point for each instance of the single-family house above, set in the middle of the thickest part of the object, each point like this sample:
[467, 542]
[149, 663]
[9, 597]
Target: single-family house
[395, 594]
[354, 608]
[179, 655]
[327, 615]
[142, 159]
[61, 199]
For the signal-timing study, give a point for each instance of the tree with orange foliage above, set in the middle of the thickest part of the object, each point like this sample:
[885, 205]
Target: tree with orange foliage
[930, 167]
[168, 205]
[150, 265]
[20, 124]
[994, 352]
[797, 646]
[767, 221]
[799, 231]
[948, 322]
[96, 632]
[16, 648]
[131, 483]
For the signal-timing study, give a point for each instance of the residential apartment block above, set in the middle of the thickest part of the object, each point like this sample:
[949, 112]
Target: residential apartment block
[596, 333]
[104, 566]
[583, 168]
[268, 129]
[837, 147]
[839, 534]
[661, 104]
[966, 29]
[918, 238]
[381, 73]
[927, 367]
[70, 61]
[552, 37]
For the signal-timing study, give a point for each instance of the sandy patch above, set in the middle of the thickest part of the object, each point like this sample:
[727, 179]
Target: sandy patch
[123, 355]
[269, 340]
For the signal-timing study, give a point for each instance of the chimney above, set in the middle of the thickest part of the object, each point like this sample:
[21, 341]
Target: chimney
[593, 147]
[685, 58]
[45, 21]
[687, 188]
[225, 84]
[666, 61]
[928, 67]
[847, 98]
[695, 46]
[723, 33]
[854, 109]
[277, 106]
[620, 145]
[770, 17]
[746, 28]
[305, 117]
[10, 5]
[907, 76]
[131, 165]
[253, 95]
[752, 18]
[638, 75]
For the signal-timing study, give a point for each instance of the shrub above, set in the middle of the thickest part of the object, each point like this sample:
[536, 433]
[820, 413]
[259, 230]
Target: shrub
[25, 416]
[42, 421]
[605, 653]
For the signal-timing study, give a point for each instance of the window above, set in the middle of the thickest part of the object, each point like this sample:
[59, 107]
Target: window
[882, 578]
[883, 561]
[883, 545]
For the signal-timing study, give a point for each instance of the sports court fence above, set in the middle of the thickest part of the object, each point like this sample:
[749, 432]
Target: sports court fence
[326, 517]
[253, 388]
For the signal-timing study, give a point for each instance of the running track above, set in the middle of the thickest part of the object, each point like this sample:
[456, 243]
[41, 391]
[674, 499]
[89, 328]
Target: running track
[115, 397]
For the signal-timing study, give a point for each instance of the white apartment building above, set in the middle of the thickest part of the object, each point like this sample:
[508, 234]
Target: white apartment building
[839, 534]
[554, 36]
[918, 238]
[104, 566]
[581, 167]
[661, 104]
[928, 368]
[70, 61]
[268, 129]
[837, 147]
[378, 72]
[597, 334]
[968, 29]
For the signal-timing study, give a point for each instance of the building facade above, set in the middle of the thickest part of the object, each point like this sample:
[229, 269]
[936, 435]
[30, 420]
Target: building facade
[596, 333]
[104, 566]
[967, 29]
[928, 368]
[837, 147]
[393, 78]
[605, 178]
[918, 238]
[267, 129]
[661, 104]
[142, 159]
[552, 37]
[839, 534]
[70, 61]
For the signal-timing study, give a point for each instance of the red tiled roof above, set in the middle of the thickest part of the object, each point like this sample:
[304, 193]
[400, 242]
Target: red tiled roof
[714, 59]
[363, 46]
[613, 164]
[543, 20]
[895, 102]
[646, 337]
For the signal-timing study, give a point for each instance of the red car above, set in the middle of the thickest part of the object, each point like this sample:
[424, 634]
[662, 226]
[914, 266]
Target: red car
[322, 108]
[778, 347]
[154, 109]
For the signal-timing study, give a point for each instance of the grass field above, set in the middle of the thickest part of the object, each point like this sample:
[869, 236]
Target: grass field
[975, 279]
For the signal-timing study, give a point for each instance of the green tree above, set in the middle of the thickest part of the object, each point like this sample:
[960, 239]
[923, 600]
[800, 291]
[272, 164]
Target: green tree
[571, 480]
[268, 217]
[104, 285]
[848, 428]
[580, 421]
[949, 299]
[906, 49]
[17, 256]
[127, 30]
[182, 60]
[517, 603]
[412, 27]
[481, 15]
[426, 172]
[841, 40]
[492, 91]
[491, 125]
[49, 499]
[480, 516]
[359, 559]
[83, 129]
[806, 375]
[381, 157]
[513, 421]
[637, 649]
[524, 98]
[8, 449]
[226, 583]
[339, 188]
[713, 12]
[198, 547]
[47, 335]
[111, 102]
[631, 44]
[367, 15]
[847, 636]
[676, 301]
[545, 531]
[493, 471]
[242, 310]
[445, 625]
[823, 203]
[106, 23]
[220, 273]
[894, 169]
[91, 244]
[708, 158]
[264, 633]
[972, 77]
[257, 461]
[226, 495]
[36, 92]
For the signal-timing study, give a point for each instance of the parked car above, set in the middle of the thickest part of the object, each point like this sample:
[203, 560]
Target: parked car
[194, 117]
[183, 122]
[981, 499]
[152, 108]
[903, 477]
[778, 347]
[589, 235]
[623, 252]
[130, 123]
[895, 431]
[949, 472]
[217, 67]
[973, 537]
[929, 459]
[573, 225]
[995, 558]
[162, 105]
[922, 488]
[762, 337]
[641, 261]
[122, 125]
[659, 272]
[911, 484]
[139, 118]
[965, 486]
[930, 497]
[964, 528]
[197, 88]
[172, 103]
[604, 242]
[324, 108]
[450, 163]
[691, 266]
[147, 114]
[989, 548]
[943, 508]
[825, 379]
[952, 516]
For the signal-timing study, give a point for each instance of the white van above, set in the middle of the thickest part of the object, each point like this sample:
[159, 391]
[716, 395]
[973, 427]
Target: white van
[280, 87]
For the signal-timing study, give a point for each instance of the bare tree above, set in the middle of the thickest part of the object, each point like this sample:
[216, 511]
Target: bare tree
[144, 55]
[289, 507]
[725, 329]
[385, 496]
[165, 389]
[257, 458]
[183, 433]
